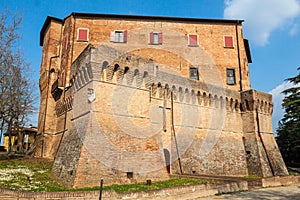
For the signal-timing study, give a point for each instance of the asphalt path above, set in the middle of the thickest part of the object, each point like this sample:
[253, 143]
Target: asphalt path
[285, 192]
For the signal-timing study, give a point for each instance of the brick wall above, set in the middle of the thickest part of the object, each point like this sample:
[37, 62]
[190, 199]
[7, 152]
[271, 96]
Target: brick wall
[127, 125]
[59, 38]
[130, 109]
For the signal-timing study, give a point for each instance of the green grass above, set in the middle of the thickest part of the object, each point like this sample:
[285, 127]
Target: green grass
[14, 175]
[174, 182]
[156, 185]
[252, 176]
[293, 173]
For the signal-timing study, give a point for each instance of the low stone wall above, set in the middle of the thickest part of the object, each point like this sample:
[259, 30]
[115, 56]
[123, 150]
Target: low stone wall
[280, 181]
[22, 195]
[187, 192]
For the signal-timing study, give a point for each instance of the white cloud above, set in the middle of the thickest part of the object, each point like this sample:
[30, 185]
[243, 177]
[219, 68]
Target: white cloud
[294, 30]
[277, 100]
[263, 16]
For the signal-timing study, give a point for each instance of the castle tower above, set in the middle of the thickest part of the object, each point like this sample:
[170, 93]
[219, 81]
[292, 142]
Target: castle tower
[263, 155]
[130, 98]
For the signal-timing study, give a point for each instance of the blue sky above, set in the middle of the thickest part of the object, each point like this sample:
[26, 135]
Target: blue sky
[272, 27]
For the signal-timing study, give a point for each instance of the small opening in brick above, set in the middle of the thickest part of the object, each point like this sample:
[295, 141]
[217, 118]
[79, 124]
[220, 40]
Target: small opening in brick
[148, 182]
[129, 174]
[193, 171]
[71, 172]
[248, 152]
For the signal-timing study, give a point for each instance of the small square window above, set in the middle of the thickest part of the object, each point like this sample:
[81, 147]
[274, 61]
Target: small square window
[228, 41]
[118, 36]
[230, 73]
[82, 34]
[194, 73]
[155, 38]
[193, 40]
[129, 174]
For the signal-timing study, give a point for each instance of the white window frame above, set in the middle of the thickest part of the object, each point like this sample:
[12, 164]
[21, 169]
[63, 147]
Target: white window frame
[115, 36]
[118, 36]
[155, 38]
[195, 77]
[233, 77]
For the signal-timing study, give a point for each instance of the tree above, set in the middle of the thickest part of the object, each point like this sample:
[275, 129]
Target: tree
[16, 97]
[288, 131]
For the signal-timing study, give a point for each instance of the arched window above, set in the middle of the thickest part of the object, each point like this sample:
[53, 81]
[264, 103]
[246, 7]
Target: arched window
[116, 67]
[104, 65]
[126, 70]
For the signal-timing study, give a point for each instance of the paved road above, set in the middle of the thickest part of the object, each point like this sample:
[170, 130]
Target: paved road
[288, 192]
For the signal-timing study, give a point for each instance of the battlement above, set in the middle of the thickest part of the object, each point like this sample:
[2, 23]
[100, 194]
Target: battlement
[142, 73]
[136, 98]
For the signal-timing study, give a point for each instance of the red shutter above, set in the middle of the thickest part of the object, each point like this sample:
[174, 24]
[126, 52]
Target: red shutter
[82, 34]
[125, 36]
[228, 41]
[112, 36]
[160, 38]
[193, 40]
[151, 38]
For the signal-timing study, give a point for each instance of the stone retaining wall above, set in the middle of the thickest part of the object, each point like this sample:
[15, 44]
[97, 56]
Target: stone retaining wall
[280, 181]
[187, 192]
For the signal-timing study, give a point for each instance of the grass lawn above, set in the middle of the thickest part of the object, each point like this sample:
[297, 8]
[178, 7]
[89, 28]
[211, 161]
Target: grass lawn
[35, 175]
[28, 174]
[156, 185]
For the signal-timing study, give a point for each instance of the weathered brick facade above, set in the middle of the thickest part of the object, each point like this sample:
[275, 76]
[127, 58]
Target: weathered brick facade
[130, 98]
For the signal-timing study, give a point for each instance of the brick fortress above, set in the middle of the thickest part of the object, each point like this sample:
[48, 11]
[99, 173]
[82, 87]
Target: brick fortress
[130, 98]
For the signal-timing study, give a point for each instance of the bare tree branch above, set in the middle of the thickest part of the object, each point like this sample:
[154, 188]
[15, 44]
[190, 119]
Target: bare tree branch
[16, 96]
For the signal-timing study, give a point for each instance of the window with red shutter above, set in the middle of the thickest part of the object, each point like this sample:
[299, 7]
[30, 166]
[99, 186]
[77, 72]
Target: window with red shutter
[155, 38]
[82, 34]
[228, 41]
[193, 40]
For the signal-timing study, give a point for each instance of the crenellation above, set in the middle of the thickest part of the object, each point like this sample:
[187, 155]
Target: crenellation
[127, 105]
[134, 78]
